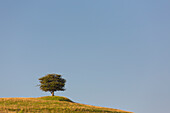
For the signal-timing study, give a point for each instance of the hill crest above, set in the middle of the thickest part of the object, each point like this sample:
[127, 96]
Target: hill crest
[49, 104]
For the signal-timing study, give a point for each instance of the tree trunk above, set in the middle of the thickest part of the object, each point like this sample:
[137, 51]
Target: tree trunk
[52, 93]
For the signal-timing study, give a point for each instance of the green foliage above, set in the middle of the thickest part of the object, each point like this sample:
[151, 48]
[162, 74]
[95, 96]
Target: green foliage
[51, 83]
[58, 98]
[21, 111]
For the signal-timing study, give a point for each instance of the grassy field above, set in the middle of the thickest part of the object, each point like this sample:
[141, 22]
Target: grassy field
[56, 104]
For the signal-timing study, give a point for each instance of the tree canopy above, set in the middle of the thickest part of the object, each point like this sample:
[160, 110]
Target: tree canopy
[52, 83]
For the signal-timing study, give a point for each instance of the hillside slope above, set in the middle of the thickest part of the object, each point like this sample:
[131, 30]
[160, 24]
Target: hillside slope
[48, 104]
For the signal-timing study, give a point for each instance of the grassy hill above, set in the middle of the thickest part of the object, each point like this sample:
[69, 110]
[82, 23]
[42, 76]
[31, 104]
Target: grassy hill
[48, 104]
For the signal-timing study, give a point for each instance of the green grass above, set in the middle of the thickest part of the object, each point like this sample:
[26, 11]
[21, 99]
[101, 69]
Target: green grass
[48, 104]
[58, 98]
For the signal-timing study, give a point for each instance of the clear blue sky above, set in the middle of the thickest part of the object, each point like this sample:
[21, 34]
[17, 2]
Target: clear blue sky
[113, 53]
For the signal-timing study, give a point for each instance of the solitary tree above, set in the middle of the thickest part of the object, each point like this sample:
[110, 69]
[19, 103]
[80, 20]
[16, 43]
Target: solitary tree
[51, 83]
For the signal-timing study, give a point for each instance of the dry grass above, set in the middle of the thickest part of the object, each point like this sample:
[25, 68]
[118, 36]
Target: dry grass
[38, 105]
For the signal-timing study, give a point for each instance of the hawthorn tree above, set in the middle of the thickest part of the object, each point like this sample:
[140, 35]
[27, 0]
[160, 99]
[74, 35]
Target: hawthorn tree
[52, 83]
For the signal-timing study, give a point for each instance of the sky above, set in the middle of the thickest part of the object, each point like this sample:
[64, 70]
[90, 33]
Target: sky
[113, 53]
